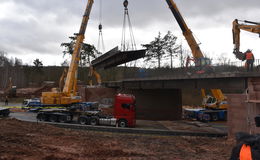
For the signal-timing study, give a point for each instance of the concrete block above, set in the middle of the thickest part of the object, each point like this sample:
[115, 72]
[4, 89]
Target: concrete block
[241, 114]
[105, 96]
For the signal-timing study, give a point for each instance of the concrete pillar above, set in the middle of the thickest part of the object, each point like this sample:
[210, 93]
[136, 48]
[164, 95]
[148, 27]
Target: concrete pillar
[243, 108]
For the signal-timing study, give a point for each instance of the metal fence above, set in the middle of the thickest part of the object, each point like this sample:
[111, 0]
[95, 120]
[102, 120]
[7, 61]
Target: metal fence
[237, 63]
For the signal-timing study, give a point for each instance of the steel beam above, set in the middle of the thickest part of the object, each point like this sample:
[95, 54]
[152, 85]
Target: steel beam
[115, 57]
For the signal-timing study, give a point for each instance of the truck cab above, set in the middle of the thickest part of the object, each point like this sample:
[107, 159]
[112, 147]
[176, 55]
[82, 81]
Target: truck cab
[123, 115]
[28, 103]
[124, 110]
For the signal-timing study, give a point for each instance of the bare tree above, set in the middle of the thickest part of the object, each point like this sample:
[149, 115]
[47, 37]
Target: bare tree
[170, 46]
[223, 59]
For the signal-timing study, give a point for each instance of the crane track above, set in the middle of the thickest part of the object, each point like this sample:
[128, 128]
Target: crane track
[136, 131]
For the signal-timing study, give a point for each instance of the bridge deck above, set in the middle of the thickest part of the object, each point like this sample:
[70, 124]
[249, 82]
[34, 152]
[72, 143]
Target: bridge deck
[231, 82]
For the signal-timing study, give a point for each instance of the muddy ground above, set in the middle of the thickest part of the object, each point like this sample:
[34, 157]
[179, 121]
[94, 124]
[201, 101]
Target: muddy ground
[32, 141]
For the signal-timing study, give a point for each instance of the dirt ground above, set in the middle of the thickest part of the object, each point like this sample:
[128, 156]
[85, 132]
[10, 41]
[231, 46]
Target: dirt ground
[31, 141]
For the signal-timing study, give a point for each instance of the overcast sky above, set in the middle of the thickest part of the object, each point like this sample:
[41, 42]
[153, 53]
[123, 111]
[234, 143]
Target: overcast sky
[31, 29]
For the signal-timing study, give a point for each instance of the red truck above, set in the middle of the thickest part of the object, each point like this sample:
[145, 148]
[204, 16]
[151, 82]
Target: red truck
[124, 110]
[123, 116]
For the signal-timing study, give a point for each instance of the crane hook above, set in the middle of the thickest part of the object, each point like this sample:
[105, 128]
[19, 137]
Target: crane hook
[125, 3]
[100, 27]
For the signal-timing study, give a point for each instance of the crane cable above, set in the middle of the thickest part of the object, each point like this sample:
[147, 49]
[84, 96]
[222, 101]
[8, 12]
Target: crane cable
[101, 45]
[124, 46]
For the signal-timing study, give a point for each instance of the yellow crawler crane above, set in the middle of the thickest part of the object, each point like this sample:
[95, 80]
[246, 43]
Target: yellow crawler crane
[200, 60]
[69, 93]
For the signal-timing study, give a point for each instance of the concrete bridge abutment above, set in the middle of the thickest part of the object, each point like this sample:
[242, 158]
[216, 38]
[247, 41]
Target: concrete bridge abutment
[158, 104]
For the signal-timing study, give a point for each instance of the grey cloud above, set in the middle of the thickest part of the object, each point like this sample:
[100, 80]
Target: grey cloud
[146, 12]
[33, 34]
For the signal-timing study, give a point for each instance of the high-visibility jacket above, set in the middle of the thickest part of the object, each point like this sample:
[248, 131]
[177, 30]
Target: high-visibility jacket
[245, 152]
[249, 55]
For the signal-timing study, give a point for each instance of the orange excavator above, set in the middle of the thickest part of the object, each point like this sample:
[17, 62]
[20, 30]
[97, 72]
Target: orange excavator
[253, 27]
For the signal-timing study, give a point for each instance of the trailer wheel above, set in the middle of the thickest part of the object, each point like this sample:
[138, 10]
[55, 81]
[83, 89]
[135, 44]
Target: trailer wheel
[93, 121]
[6, 114]
[53, 118]
[122, 123]
[63, 119]
[40, 117]
[206, 117]
[69, 118]
[214, 117]
[82, 120]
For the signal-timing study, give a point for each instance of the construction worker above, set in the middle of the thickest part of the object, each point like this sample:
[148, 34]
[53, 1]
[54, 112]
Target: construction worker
[247, 148]
[188, 61]
[6, 100]
[249, 60]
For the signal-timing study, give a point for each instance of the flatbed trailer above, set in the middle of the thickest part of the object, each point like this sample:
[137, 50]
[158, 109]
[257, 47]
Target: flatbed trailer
[205, 115]
[123, 116]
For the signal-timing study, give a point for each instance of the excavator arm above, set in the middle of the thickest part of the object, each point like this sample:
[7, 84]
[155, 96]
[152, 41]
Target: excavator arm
[62, 79]
[196, 52]
[92, 72]
[249, 26]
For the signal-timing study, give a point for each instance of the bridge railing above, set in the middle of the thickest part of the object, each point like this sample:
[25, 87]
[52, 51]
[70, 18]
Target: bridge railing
[237, 63]
[136, 73]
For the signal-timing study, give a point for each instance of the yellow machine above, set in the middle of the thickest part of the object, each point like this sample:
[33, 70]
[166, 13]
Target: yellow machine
[92, 72]
[69, 93]
[216, 101]
[249, 26]
[219, 99]
[62, 79]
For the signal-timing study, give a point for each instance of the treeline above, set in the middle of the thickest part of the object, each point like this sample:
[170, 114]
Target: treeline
[33, 76]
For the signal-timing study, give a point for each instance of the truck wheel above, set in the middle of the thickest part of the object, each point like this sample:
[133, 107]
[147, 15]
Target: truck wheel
[82, 120]
[122, 123]
[93, 121]
[53, 118]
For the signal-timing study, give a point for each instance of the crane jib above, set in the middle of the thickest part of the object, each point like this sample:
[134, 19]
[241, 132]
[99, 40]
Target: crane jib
[86, 17]
[177, 16]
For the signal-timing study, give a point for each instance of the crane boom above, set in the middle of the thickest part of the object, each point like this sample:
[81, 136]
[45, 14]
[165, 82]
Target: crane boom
[68, 95]
[196, 52]
[71, 76]
[200, 60]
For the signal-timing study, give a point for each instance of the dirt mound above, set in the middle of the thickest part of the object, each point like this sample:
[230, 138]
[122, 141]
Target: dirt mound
[30, 141]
